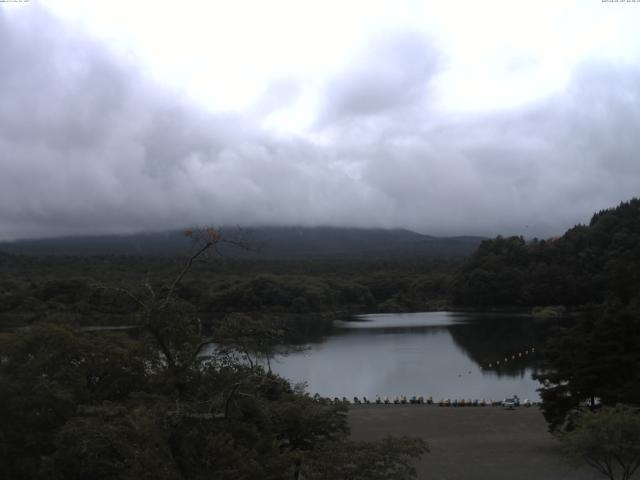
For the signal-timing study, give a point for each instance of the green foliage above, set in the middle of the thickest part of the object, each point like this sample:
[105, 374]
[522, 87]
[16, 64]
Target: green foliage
[35, 288]
[255, 338]
[82, 405]
[595, 360]
[76, 404]
[64, 291]
[587, 264]
[607, 440]
[111, 441]
[47, 373]
[275, 293]
[595, 268]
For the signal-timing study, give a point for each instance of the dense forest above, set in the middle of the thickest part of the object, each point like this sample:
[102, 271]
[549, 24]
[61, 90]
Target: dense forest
[76, 403]
[85, 404]
[588, 264]
[593, 269]
[313, 292]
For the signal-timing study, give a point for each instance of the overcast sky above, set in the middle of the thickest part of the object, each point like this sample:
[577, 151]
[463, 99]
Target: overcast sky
[470, 117]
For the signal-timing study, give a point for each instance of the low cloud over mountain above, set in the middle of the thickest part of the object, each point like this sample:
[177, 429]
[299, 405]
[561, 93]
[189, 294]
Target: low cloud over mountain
[89, 143]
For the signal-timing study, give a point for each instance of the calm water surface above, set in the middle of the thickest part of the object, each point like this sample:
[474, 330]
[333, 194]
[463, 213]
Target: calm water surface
[443, 354]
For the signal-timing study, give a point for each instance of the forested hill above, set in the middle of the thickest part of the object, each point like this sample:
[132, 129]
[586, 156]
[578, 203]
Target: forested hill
[270, 243]
[588, 264]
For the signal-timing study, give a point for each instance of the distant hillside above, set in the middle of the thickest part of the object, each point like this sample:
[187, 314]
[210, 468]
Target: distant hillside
[588, 264]
[270, 243]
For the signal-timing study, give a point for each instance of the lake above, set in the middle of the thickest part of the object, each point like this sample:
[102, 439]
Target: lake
[442, 354]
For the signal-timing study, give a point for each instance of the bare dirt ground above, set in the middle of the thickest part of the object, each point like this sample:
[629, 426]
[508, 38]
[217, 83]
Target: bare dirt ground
[471, 443]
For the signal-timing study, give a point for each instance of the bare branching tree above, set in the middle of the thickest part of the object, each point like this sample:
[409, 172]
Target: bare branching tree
[170, 321]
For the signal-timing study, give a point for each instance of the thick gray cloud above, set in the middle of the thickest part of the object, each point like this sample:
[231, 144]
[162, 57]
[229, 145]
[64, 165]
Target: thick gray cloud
[391, 74]
[89, 145]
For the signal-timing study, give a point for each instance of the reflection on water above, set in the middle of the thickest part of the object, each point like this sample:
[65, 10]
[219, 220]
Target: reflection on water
[403, 320]
[443, 354]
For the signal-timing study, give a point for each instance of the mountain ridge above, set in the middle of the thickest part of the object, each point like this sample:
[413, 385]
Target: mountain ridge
[273, 242]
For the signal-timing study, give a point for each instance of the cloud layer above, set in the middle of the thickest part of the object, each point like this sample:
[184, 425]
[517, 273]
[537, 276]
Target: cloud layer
[88, 144]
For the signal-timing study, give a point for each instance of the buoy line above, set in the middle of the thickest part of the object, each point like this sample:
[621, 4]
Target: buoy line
[508, 358]
[420, 400]
[445, 402]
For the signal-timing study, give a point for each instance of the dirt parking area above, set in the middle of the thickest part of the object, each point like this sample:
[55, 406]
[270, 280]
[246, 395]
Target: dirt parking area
[469, 443]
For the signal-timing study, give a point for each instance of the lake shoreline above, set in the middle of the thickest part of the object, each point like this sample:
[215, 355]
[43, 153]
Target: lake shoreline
[438, 354]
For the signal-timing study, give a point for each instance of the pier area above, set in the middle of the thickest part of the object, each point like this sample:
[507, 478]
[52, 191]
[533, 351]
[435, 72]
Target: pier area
[471, 443]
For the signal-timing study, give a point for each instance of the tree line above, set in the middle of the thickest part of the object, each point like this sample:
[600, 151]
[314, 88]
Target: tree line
[589, 264]
[38, 288]
[78, 404]
[590, 382]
